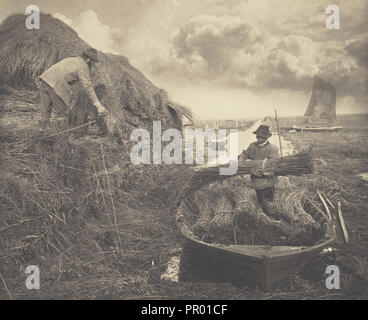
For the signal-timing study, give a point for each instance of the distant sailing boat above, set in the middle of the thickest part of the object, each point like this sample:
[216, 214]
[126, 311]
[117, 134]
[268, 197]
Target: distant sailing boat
[321, 110]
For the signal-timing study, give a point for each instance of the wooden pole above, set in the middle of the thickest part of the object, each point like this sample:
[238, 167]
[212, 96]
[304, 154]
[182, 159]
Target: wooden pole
[342, 223]
[278, 129]
[71, 129]
[319, 210]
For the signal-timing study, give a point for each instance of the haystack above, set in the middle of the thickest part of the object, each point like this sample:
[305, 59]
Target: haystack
[183, 116]
[129, 96]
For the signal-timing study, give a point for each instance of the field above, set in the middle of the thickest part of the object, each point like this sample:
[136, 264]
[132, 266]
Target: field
[151, 239]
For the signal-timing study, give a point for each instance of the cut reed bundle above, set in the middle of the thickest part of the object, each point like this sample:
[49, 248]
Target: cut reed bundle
[215, 222]
[222, 205]
[252, 225]
[222, 201]
[204, 204]
[298, 164]
[288, 203]
[201, 227]
[246, 200]
[295, 165]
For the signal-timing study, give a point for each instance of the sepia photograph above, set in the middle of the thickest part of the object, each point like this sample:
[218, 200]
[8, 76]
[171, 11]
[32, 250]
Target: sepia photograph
[170, 150]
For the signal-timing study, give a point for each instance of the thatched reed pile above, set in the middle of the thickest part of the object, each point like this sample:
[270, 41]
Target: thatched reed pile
[129, 96]
[70, 197]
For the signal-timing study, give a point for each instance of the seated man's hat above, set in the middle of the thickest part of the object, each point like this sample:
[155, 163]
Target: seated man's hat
[263, 131]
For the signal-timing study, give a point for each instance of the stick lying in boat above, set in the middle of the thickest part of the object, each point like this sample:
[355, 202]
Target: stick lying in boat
[298, 164]
[329, 202]
[311, 202]
[342, 222]
[324, 204]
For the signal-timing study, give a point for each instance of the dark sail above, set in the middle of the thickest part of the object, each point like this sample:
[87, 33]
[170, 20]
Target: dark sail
[322, 104]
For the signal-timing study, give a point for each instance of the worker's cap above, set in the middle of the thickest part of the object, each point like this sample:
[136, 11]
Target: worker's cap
[263, 131]
[91, 53]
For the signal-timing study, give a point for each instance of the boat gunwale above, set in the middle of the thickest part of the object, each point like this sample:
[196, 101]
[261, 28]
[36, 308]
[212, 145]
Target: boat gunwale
[265, 251]
[315, 129]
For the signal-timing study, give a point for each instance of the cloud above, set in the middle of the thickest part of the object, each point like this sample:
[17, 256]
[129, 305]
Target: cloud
[63, 18]
[359, 48]
[93, 31]
[250, 45]
[231, 51]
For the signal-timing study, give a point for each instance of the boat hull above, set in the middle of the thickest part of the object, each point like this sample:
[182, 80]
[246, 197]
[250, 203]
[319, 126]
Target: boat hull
[317, 129]
[255, 266]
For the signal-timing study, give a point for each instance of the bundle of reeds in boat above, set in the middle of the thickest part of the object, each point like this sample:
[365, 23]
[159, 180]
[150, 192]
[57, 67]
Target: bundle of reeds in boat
[288, 203]
[201, 227]
[215, 222]
[237, 217]
[245, 199]
[223, 205]
[251, 224]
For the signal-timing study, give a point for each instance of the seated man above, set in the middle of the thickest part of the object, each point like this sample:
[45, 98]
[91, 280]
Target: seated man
[56, 85]
[264, 184]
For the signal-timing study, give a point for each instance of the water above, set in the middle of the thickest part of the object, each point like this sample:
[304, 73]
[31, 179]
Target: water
[245, 138]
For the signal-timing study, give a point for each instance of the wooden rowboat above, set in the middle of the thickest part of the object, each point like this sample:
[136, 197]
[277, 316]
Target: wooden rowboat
[257, 265]
[317, 129]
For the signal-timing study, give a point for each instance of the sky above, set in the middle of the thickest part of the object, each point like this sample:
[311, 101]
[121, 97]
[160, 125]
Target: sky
[229, 58]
